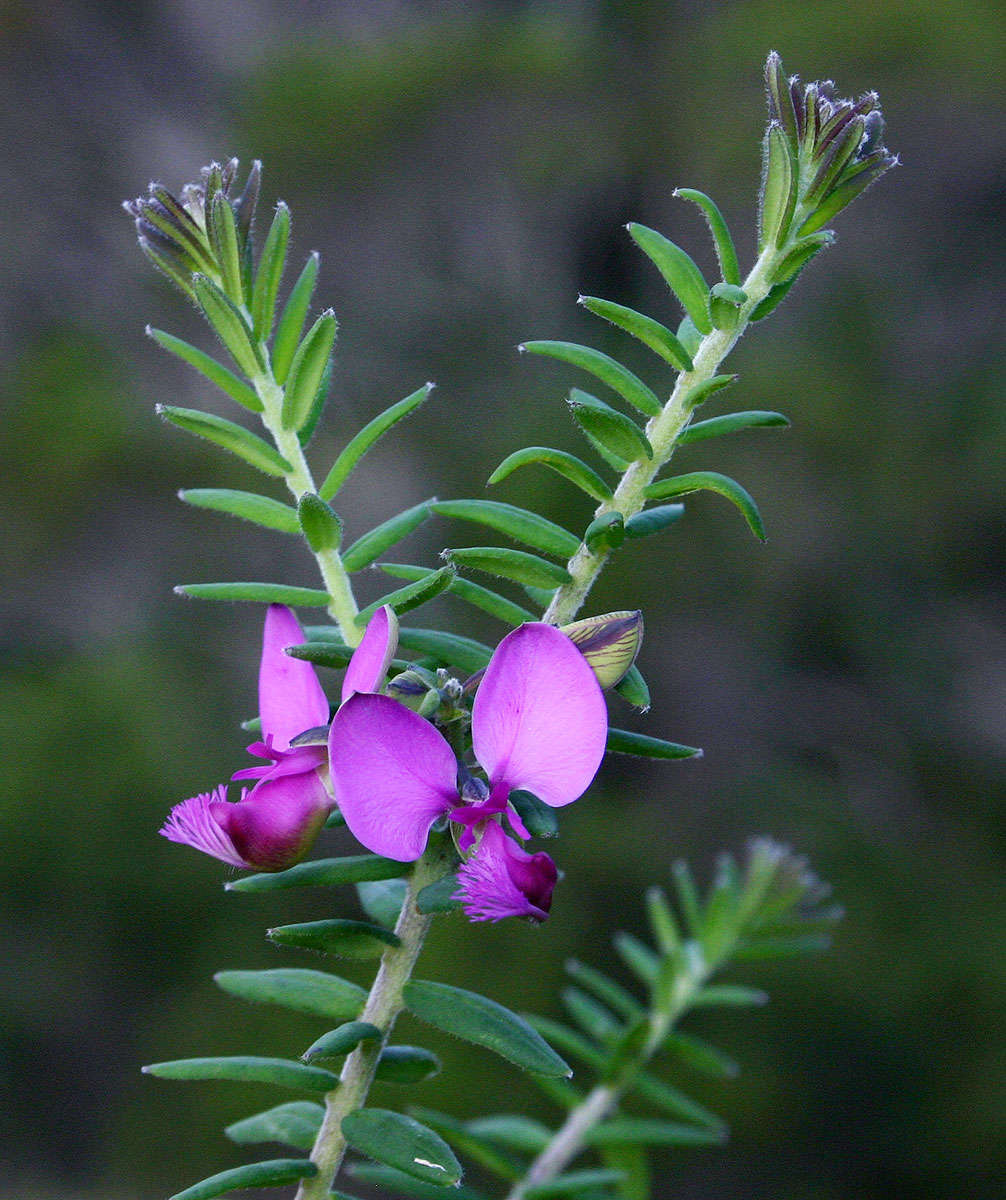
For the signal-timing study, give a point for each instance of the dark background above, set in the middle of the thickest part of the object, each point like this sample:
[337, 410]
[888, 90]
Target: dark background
[465, 170]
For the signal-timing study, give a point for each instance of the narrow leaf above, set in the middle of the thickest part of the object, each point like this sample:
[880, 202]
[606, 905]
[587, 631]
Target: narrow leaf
[779, 187]
[209, 368]
[307, 369]
[223, 236]
[570, 1042]
[732, 423]
[373, 544]
[593, 1018]
[783, 947]
[701, 392]
[405, 1185]
[382, 900]
[650, 332]
[346, 939]
[368, 435]
[637, 956]
[680, 273]
[688, 896]
[291, 321]
[620, 379]
[461, 1137]
[517, 1133]
[464, 653]
[484, 1022]
[260, 510]
[700, 1056]
[322, 872]
[711, 481]
[509, 564]
[653, 520]
[673, 1101]
[573, 1183]
[237, 440]
[652, 1132]
[401, 1142]
[539, 819]
[276, 1173]
[246, 1068]
[662, 921]
[772, 301]
[337, 1043]
[407, 1064]
[614, 430]
[228, 324]
[472, 593]
[801, 254]
[724, 243]
[294, 1124]
[605, 988]
[411, 596]
[567, 465]
[259, 593]
[314, 992]
[632, 1161]
[439, 896]
[623, 741]
[517, 523]
[730, 995]
[322, 528]
[270, 273]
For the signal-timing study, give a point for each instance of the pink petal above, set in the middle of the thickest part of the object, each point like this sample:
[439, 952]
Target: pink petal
[192, 823]
[290, 698]
[539, 721]
[276, 824]
[392, 775]
[370, 660]
[502, 880]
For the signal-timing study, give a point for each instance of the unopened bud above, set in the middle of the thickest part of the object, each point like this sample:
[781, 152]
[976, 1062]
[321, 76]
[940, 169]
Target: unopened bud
[609, 643]
[415, 689]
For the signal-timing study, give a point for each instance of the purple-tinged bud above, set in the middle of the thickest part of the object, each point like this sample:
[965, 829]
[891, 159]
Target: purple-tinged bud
[609, 643]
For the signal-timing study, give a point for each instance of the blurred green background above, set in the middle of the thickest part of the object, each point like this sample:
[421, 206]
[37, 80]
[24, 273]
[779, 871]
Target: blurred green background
[465, 170]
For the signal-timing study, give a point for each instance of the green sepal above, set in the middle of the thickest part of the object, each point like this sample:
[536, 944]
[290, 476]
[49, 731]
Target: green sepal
[724, 243]
[228, 324]
[539, 819]
[711, 481]
[405, 599]
[680, 273]
[404, 1185]
[620, 379]
[307, 369]
[472, 593]
[314, 992]
[462, 1138]
[219, 375]
[249, 506]
[276, 1172]
[650, 1131]
[725, 302]
[407, 1065]
[834, 161]
[567, 465]
[619, 434]
[270, 273]
[623, 741]
[650, 332]
[295, 1123]
[477, 1019]
[322, 528]
[517, 523]
[573, 1183]
[440, 896]
[246, 1068]
[373, 544]
[804, 250]
[700, 1056]
[292, 319]
[358, 446]
[627, 1049]
[337, 1043]
[779, 187]
[322, 872]
[606, 532]
[357, 940]
[258, 593]
[732, 423]
[701, 392]
[653, 520]
[256, 452]
[509, 564]
[223, 237]
[570, 1041]
[403, 1143]
[632, 687]
[170, 265]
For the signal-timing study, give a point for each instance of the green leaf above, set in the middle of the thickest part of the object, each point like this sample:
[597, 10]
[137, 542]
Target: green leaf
[517, 523]
[724, 243]
[539, 819]
[321, 527]
[731, 423]
[223, 237]
[276, 1172]
[405, 599]
[632, 688]
[314, 992]
[270, 273]
[772, 301]
[509, 564]
[472, 593]
[653, 520]
[637, 956]
[294, 1124]
[337, 1043]
[730, 995]
[221, 432]
[307, 369]
[725, 302]
[688, 895]
[439, 896]
[801, 254]
[462, 1138]
[401, 1142]
[246, 1068]
[636, 1183]
[842, 196]
[209, 368]
[572, 1183]
[652, 1132]
[260, 510]
[700, 1056]
[259, 593]
[407, 1064]
[673, 1101]
[651, 333]
[662, 921]
[593, 1018]
[291, 322]
[619, 434]
[484, 1022]
[620, 379]
[322, 872]
[405, 1185]
[373, 544]
[680, 273]
[605, 988]
[623, 741]
[606, 532]
[757, 949]
[567, 465]
[779, 188]
[464, 653]
[346, 939]
[711, 481]
[516, 1133]
[368, 435]
[228, 324]
[382, 899]
[701, 392]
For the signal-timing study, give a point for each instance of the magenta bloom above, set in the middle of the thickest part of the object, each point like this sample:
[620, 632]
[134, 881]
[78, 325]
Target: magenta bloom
[539, 724]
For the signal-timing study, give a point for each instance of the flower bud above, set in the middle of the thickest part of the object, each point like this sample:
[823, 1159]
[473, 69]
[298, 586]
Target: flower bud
[414, 688]
[609, 643]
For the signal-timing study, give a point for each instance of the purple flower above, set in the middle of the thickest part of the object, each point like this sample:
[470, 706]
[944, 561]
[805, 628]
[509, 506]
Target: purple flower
[539, 724]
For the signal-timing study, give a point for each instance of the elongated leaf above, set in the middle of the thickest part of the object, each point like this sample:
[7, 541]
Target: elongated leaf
[570, 1042]
[307, 369]
[404, 1185]
[270, 273]
[653, 520]
[246, 1068]
[314, 992]
[509, 564]
[477, 1019]
[605, 989]
[772, 301]
[368, 435]
[632, 1161]
[620, 379]
[411, 596]
[461, 1137]
[539, 819]
[700, 1056]
[567, 465]
[337, 1043]
[801, 254]
[439, 896]
[606, 532]
[756, 949]
[464, 653]
[673, 1101]
[779, 188]
[650, 332]
[276, 1172]
[652, 1132]
[294, 1124]
[517, 523]
[701, 392]
[346, 939]
[407, 1064]
[209, 368]
[663, 922]
[680, 273]
[637, 956]
[260, 510]
[732, 423]
[291, 321]
[322, 872]
[259, 593]
[688, 896]
[223, 236]
[472, 593]
[517, 1133]
[633, 688]
[730, 995]
[239, 441]
[623, 741]
[373, 544]
[614, 430]
[228, 324]
[711, 481]
[382, 900]
[724, 243]
[573, 1183]
[403, 1143]
[591, 1015]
